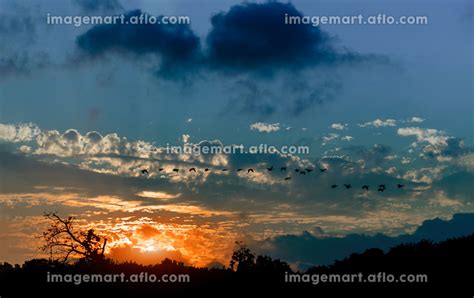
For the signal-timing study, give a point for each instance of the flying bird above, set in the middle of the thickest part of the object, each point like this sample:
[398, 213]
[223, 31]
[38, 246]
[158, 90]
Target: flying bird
[322, 170]
[302, 172]
[347, 186]
[176, 170]
[309, 170]
[287, 178]
[145, 172]
[160, 169]
[250, 170]
[270, 169]
[334, 186]
[400, 185]
[366, 187]
[224, 170]
[297, 170]
[283, 169]
[238, 170]
[381, 187]
[206, 170]
[192, 170]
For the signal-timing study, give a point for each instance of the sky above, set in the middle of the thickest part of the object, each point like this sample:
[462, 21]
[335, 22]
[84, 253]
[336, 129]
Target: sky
[84, 109]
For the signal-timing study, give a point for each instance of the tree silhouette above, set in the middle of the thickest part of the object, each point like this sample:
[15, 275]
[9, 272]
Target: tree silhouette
[242, 260]
[62, 240]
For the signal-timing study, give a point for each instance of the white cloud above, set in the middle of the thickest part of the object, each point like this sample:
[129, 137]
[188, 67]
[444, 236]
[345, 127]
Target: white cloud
[338, 126]
[185, 138]
[380, 123]
[23, 132]
[405, 160]
[467, 162]
[329, 138]
[158, 195]
[265, 127]
[433, 141]
[429, 135]
[415, 120]
[347, 138]
[391, 170]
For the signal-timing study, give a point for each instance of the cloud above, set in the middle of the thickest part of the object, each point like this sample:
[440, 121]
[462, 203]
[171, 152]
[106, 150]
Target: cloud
[248, 38]
[18, 133]
[380, 123]
[157, 195]
[429, 135]
[250, 98]
[415, 120]
[19, 34]
[176, 45]
[94, 6]
[265, 127]
[339, 126]
[329, 138]
[306, 250]
[347, 138]
[23, 63]
[434, 143]
[254, 36]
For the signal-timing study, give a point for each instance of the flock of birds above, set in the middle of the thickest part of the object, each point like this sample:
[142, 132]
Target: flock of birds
[381, 187]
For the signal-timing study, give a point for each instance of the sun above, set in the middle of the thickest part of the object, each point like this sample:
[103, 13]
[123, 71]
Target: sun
[153, 245]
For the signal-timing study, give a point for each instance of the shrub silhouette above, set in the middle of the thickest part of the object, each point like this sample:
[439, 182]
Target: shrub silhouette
[446, 264]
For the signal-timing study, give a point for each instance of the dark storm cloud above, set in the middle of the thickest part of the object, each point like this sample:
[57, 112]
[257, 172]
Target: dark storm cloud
[307, 250]
[251, 99]
[23, 63]
[175, 45]
[373, 156]
[18, 32]
[308, 97]
[92, 6]
[255, 36]
[248, 37]
[249, 40]
[17, 25]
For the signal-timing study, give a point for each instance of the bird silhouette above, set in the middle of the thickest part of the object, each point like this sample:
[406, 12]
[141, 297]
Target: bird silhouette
[250, 170]
[347, 186]
[381, 187]
[145, 172]
[334, 186]
[297, 170]
[309, 170]
[322, 170]
[283, 169]
[192, 170]
[400, 185]
[302, 172]
[206, 170]
[366, 187]
[287, 178]
[238, 170]
[176, 170]
[270, 169]
[160, 169]
[224, 170]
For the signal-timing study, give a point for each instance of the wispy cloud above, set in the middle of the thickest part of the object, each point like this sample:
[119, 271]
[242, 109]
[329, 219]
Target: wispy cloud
[380, 123]
[265, 127]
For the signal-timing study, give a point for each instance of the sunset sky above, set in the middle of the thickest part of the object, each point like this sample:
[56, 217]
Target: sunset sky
[84, 109]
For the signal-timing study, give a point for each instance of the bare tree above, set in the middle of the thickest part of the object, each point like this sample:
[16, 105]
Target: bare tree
[62, 240]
